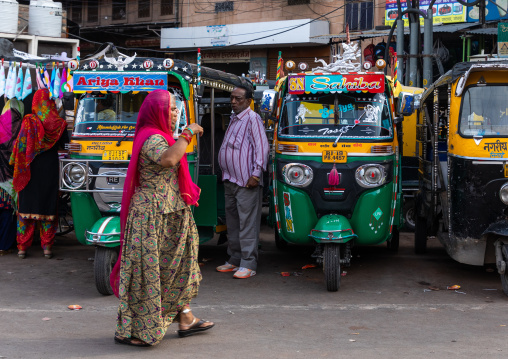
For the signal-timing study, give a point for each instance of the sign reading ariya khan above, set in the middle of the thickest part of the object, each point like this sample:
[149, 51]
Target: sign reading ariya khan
[373, 83]
[119, 81]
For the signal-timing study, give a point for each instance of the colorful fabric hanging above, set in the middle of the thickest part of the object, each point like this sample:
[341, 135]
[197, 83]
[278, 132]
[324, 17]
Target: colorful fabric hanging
[56, 83]
[46, 77]
[52, 82]
[27, 85]
[2, 80]
[63, 85]
[19, 83]
[38, 77]
[10, 87]
[70, 81]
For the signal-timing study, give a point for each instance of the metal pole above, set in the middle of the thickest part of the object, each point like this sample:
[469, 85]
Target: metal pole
[413, 50]
[427, 49]
[400, 49]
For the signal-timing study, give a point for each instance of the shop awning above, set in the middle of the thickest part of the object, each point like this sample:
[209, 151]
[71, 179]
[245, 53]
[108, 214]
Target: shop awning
[488, 31]
[360, 35]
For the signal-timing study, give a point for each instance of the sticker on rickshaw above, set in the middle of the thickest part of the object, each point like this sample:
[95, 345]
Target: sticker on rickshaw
[288, 213]
[334, 156]
[115, 155]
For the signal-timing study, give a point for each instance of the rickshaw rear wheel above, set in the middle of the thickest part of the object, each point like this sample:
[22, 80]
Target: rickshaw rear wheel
[409, 215]
[331, 266]
[420, 235]
[504, 277]
[105, 259]
[280, 243]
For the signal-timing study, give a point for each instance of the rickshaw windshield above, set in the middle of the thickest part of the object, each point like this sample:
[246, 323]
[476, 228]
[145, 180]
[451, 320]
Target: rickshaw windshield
[484, 111]
[115, 115]
[352, 116]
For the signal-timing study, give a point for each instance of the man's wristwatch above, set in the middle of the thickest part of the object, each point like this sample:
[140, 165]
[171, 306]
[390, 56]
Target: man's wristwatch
[256, 178]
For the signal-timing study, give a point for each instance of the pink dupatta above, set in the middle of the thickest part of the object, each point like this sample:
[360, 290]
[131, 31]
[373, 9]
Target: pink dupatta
[153, 118]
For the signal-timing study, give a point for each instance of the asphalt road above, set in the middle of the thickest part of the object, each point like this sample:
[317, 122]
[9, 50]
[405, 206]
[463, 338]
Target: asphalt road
[384, 308]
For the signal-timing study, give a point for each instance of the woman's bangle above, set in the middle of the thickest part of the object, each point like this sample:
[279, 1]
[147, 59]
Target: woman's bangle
[190, 130]
[186, 137]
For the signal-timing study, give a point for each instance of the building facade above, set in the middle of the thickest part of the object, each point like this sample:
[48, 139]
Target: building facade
[238, 36]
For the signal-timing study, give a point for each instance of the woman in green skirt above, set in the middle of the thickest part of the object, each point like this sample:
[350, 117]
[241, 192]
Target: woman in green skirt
[157, 273]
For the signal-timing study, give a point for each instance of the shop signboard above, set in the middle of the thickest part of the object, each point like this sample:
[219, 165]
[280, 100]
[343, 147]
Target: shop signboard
[502, 39]
[492, 11]
[443, 11]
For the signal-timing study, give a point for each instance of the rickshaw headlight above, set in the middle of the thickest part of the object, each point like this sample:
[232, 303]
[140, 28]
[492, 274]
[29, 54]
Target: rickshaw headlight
[73, 175]
[371, 175]
[297, 174]
[503, 193]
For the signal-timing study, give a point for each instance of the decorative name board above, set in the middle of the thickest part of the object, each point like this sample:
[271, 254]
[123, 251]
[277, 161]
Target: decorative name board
[299, 84]
[119, 81]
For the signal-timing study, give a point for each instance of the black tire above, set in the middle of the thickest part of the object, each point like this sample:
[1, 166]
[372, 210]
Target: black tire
[280, 243]
[393, 243]
[65, 222]
[504, 277]
[331, 266]
[105, 259]
[420, 235]
[408, 211]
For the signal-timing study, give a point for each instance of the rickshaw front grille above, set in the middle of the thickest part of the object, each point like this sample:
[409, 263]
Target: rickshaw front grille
[342, 198]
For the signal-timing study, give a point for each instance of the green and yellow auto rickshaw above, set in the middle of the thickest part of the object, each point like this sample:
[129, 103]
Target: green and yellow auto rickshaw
[336, 164]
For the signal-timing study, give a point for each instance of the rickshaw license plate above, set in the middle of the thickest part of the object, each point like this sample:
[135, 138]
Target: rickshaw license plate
[335, 156]
[115, 155]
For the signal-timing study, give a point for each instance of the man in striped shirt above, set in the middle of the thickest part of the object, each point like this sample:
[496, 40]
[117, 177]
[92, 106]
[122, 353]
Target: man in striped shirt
[243, 157]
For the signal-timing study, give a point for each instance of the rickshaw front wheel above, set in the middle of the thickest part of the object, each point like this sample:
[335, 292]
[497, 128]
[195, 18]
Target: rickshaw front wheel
[105, 259]
[331, 266]
[393, 243]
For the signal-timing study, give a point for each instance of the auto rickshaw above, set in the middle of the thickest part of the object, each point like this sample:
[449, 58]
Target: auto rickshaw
[462, 136]
[336, 163]
[109, 95]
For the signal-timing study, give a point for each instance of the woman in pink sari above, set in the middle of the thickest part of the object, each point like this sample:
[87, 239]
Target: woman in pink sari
[157, 273]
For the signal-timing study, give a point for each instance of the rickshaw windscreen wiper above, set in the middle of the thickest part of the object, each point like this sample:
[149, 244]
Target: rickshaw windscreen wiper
[122, 139]
[345, 129]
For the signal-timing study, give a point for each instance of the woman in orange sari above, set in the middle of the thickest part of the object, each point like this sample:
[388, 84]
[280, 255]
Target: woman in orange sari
[36, 171]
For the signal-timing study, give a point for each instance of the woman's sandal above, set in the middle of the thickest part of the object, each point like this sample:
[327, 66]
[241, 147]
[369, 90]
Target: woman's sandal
[129, 341]
[194, 327]
[22, 254]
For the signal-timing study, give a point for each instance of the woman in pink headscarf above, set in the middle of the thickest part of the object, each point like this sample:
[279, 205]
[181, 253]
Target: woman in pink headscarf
[157, 273]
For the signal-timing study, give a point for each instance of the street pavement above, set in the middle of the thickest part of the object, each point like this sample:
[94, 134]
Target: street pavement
[384, 308]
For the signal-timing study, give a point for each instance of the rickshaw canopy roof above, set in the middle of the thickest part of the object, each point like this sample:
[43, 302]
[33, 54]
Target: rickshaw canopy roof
[464, 69]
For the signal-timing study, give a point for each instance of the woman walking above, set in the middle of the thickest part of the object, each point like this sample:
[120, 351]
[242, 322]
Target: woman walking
[157, 273]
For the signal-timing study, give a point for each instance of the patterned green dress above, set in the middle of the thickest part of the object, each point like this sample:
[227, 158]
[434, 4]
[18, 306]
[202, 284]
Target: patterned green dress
[159, 271]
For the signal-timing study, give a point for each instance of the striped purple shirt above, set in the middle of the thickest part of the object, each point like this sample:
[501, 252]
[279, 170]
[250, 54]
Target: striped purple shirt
[244, 152]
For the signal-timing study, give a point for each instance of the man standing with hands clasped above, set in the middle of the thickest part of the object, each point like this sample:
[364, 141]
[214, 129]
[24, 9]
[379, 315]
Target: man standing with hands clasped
[243, 157]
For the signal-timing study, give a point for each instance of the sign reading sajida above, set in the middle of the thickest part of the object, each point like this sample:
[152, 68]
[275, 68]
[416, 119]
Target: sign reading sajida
[119, 81]
[373, 83]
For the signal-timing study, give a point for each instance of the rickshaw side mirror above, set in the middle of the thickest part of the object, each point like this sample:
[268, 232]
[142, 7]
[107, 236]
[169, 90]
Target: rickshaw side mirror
[269, 102]
[68, 101]
[405, 106]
